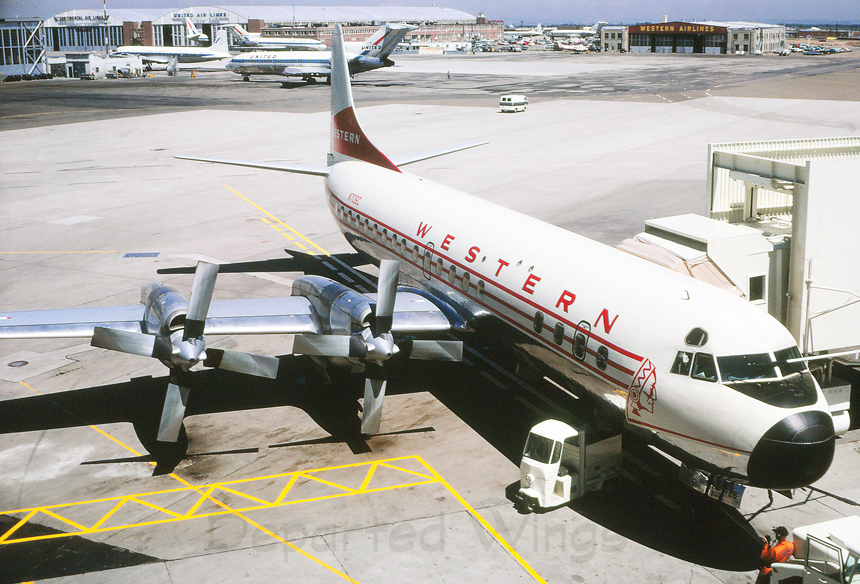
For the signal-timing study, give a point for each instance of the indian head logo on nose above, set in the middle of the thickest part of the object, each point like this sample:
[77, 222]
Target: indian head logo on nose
[643, 391]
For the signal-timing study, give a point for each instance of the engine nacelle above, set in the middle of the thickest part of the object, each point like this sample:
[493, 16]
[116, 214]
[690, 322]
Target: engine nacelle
[165, 308]
[341, 310]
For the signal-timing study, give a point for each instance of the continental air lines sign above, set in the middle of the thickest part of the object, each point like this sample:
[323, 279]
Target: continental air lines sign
[676, 28]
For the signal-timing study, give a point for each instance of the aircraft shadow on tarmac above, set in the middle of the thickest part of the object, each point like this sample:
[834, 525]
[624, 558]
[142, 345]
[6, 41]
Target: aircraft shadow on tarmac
[647, 504]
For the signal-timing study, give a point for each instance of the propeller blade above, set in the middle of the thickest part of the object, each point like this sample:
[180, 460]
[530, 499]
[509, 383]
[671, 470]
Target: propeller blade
[435, 350]
[247, 363]
[132, 343]
[389, 274]
[374, 394]
[173, 412]
[201, 296]
[330, 346]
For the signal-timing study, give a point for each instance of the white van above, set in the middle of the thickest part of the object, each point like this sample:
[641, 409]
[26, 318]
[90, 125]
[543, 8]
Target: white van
[514, 103]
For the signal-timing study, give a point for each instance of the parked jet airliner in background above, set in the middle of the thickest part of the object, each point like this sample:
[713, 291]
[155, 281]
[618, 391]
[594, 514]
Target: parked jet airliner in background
[164, 55]
[697, 372]
[372, 54]
[257, 40]
[194, 34]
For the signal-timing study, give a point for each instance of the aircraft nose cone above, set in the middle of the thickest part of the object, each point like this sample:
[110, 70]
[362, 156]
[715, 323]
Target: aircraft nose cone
[794, 453]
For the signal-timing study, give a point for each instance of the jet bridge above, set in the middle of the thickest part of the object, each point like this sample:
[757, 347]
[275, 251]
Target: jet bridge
[802, 196]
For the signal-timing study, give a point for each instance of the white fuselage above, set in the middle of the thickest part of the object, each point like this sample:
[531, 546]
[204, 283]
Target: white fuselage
[277, 62]
[182, 54]
[583, 312]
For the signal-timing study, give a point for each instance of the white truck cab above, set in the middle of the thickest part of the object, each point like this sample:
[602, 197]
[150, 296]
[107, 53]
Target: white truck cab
[558, 464]
[824, 553]
[514, 103]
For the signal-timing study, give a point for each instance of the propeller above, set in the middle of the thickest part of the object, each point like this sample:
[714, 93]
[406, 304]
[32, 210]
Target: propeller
[375, 345]
[184, 348]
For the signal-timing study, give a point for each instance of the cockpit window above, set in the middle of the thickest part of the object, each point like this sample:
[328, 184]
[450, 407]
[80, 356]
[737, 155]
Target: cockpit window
[774, 382]
[704, 367]
[696, 338]
[789, 354]
[682, 363]
[743, 367]
[796, 391]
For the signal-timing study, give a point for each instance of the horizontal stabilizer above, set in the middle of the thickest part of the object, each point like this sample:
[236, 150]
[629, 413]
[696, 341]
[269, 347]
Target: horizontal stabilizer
[418, 156]
[312, 170]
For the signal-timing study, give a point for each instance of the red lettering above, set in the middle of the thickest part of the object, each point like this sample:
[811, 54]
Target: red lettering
[502, 264]
[607, 326]
[472, 254]
[447, 242]
[566, 299]
[529, 284]
[423, 229]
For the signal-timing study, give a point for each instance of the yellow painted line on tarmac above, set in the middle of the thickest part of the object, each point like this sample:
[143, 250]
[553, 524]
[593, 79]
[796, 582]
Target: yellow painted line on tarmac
[207, 494]
[498, 537]
[427, 476]
[299, 235]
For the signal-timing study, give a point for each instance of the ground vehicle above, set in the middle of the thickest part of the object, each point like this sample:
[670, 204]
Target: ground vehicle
[559, 464]
[825, 553]
[514, 103]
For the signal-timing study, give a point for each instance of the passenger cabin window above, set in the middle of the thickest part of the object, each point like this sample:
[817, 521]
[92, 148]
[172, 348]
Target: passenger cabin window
[440, 267]
[466, 278]
[704, 367]
[683, 361]
[416, 255]
[558, 333]
[538, 322]
[696, 338]
[602, 357]
[579, 344]
[452, 274]
[481, 286]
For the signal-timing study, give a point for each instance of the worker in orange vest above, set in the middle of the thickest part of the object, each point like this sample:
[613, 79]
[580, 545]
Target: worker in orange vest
[776, 552]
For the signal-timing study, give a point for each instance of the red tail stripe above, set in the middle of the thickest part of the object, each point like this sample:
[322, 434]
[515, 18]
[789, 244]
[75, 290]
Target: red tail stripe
[349, 140]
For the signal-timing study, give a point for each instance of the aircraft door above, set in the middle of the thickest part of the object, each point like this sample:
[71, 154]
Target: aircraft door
[580, 340]
[427, 266]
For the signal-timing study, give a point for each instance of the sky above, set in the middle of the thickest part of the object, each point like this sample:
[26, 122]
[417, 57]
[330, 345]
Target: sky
[524, 11]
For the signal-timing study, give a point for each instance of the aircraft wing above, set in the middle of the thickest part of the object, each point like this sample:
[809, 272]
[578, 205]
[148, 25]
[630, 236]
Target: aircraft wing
[413, 313]
[70, 322]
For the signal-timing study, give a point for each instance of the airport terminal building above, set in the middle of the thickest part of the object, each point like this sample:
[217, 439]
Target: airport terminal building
[85, 30]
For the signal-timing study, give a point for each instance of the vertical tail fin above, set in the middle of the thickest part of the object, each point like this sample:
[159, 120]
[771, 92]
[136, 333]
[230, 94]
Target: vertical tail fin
[220, 42]
[386, 39]
[348, 141]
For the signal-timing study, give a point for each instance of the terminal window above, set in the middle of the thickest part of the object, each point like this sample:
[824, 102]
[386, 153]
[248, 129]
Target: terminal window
[756, 288]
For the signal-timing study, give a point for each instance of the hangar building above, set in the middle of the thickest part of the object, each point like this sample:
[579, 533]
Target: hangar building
[85, 30]
[706, 37]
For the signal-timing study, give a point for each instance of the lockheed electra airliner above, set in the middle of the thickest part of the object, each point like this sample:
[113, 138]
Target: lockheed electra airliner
[699, 373]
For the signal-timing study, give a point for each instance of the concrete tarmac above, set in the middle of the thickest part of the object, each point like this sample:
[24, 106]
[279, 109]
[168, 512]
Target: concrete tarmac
[277, 484]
